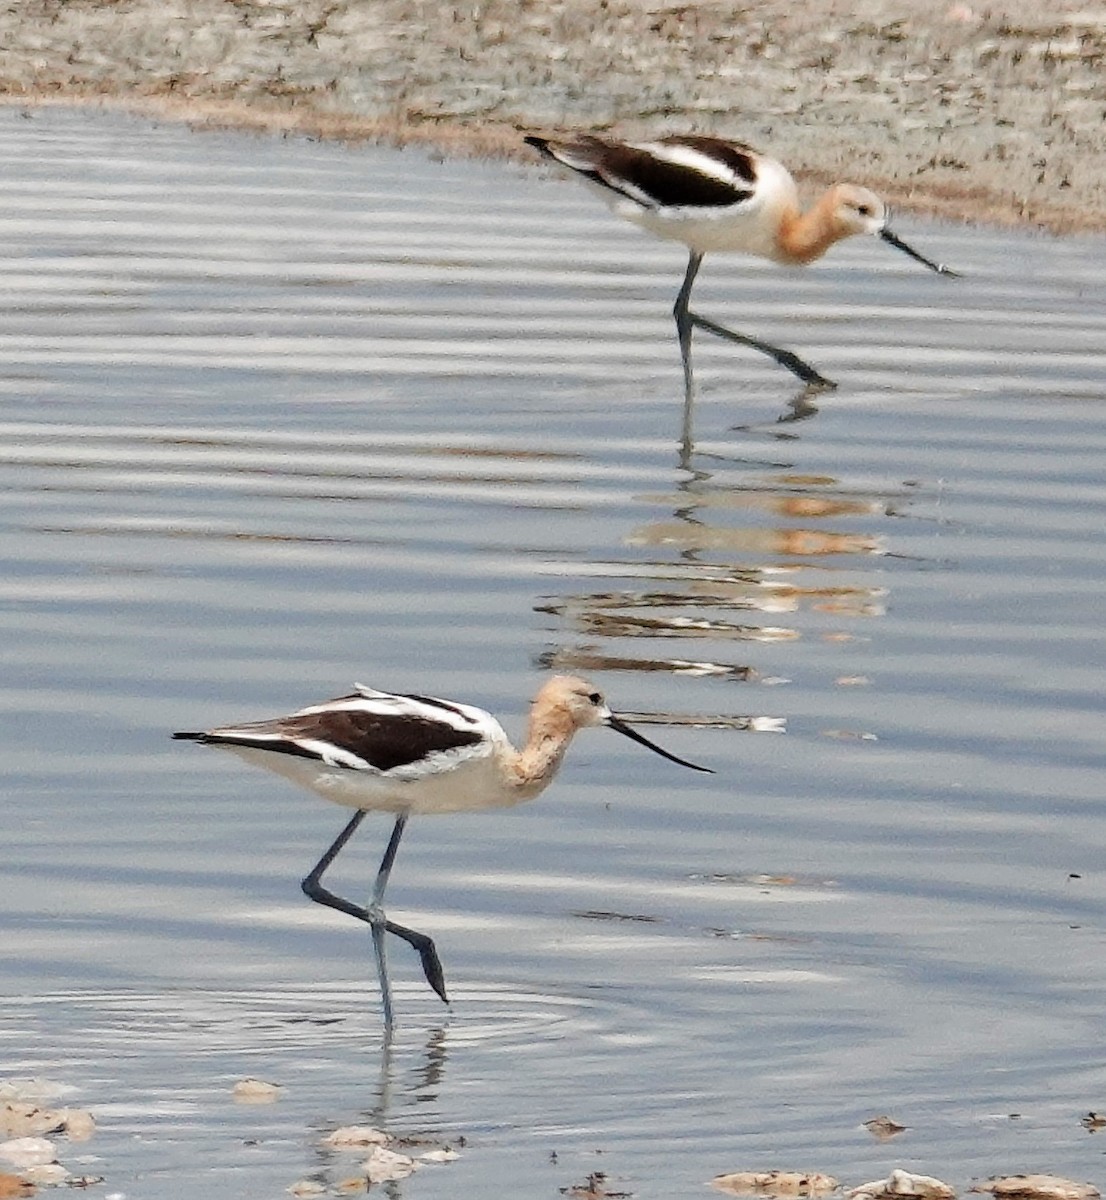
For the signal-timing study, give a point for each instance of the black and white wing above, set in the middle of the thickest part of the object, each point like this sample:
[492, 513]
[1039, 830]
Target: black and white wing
[374, 731]
[683, 171]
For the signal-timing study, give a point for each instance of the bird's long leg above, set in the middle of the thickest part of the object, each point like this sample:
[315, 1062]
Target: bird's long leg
[421, 943]
[686, 320]
[784, 357]
[377, 919]
[683, 332]
[373, 915]
[381, 957]
[311, 884]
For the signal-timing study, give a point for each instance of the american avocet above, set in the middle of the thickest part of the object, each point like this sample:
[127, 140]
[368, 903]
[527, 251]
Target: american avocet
[712, 194]
[374, 750]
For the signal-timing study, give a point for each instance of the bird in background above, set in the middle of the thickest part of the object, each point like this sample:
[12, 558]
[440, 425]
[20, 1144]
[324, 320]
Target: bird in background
[407, 754]
[711, 194]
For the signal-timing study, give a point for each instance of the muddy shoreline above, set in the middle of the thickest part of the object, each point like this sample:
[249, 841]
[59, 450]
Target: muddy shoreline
[992, 114]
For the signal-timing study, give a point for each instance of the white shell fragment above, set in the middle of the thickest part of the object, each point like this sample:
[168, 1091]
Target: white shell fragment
[255, 1091]
[22, 1118]
[903, 1183]
[439, 1156]
[382, 1166]
[884, 1127]
[353, 1185]
[776, 1183]
[1037, 1187]
[356, 1137]
[46, 1174]
[80, 1125]
[28, 1151]
[308, 1187]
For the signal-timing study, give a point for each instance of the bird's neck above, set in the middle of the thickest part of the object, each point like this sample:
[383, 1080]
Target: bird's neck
[534, 766]
[803, 237]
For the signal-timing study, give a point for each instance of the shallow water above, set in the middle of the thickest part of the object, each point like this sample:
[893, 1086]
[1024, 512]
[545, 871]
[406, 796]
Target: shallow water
[278, 416]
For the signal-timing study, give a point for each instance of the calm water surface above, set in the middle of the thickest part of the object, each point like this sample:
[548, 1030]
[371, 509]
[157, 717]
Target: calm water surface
[278, 416]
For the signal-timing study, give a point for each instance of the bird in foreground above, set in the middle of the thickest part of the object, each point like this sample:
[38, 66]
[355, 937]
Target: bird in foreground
[712, 194]
[374, 750]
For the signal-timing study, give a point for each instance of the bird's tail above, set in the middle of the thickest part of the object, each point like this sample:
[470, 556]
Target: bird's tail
[191, 735]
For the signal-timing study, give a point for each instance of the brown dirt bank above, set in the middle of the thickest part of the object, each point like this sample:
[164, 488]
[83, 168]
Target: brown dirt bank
[993, 113]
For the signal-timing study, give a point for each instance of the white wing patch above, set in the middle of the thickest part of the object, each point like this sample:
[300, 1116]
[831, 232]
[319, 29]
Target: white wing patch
[693, 160]
[333, 756]
[576, 158]
[463, 717]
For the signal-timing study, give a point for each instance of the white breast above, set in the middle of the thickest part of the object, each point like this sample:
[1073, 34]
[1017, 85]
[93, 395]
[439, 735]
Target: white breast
[749, 227]
[471, 780]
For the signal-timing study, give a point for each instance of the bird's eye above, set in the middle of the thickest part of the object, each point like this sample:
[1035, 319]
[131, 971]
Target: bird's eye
[595, 698]
[865, 210]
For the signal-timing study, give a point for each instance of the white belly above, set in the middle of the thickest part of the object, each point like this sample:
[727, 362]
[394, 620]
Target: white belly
[749, 227]
[749, 232]
[475, 783]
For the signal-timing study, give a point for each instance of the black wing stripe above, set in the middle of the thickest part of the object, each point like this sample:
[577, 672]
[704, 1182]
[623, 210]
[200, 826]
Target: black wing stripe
[278, 746]
[641, 176]
[669, 184]
[383, 741]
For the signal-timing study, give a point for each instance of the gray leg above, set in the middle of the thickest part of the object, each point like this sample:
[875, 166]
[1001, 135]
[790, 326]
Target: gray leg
[374, 915]
[683, 332]
[686, 320]
[784, 357]
[378, 922]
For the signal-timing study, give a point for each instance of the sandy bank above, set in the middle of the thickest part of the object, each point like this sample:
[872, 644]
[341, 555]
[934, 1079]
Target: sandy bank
[990, 113]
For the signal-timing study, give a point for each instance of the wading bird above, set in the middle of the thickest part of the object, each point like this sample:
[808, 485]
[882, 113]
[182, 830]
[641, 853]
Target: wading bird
[711, 194]
[374, 750]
